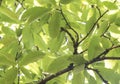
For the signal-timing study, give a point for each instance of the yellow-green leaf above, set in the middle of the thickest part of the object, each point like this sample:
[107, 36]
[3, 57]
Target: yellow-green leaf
[31, 56]
[34, 13]
[27, 37]
[54, 24]
[7, 12]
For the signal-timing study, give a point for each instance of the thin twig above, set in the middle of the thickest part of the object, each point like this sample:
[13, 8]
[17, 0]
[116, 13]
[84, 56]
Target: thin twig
[109, 58]
[106, 30]
[68, 24]
[63, 29]
[83, 51]
[101, 55]
[92, 27]
[21, 3]
[98, 10]
[97, 72]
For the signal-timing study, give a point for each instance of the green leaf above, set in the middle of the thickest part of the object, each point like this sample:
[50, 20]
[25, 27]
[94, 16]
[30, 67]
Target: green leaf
[31, 56]
[26, 72]
[112, 17]
[7, 31]
[7, 12]
[103, 27]
[10, 75]
[91, 79]
[62, 61]
[27, 37]
[115, 29]
[54, 24]
[78, 78]
[94, 47]
[2, 80]
[7, 56]
[5, 61]
[117, 21]
[77, 59]
[90, 22]
[4, 18]
[105, 43]
[110, 75]
[58, 80]
[39, 42]
[55, 44]
[65, 1]
[34, 13]
[45, 63]
[11, 48]
[110, 5]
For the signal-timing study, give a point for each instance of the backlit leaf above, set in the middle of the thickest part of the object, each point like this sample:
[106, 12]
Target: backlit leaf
[7, 12]
[106, 43]
[94, 47]
[31, 56]
[110, 75]
[65, 1]
[54, 24]
[10, 75]
[26, 72]
[62, 61]
[27, 37]
[90, 22]
[110, 5]
[55, 44]
[77, 59]
[103, 27]
[39, 42]
[117, 21]
[78, 78]
[34, 13]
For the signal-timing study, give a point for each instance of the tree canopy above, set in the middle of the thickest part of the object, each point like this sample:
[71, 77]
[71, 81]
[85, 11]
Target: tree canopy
[59, 41]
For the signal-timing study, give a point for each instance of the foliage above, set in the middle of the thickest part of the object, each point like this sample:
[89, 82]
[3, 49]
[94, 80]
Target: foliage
[59, 41]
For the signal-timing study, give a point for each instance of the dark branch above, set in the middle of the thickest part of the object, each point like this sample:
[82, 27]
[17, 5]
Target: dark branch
[92, 27]
[44, 81]
[109, 58]
[97, 72]
[98, 10]
[21, 3]
[83, 51]
[106, 30]
[63, 29]
[68, 24]
[101, 57]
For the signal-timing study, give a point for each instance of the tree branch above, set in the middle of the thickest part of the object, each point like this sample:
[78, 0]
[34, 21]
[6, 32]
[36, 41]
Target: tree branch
[69, 24]
[63, 29]
[106, 30]
[97, 72]
[100, 57]
[99, 10]
[83, 51]
[21, 3]
[44, 81]
[92, 27]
